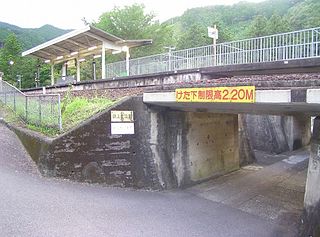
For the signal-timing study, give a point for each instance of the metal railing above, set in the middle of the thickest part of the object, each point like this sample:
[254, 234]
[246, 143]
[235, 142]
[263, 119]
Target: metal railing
[43, 110]
[286, 46]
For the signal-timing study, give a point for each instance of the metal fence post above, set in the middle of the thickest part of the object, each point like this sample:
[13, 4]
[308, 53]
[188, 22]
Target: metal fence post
[34, 110]
[26, 108]
[312, 44]
[59, 112]
[14, 102]
[39, 98]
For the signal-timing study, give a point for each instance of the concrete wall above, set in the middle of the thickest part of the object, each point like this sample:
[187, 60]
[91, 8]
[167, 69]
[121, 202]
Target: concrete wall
[276, 134]
[190, 78]
[168, 149]
[212, 145]
[311, 217]
[91, 153]
[198, 146]
[246, 151]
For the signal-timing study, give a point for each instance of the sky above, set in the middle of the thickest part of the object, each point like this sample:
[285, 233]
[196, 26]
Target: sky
[67, 14]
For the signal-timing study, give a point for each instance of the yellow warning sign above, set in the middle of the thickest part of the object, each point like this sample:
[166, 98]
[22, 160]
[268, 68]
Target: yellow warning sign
[239, 94]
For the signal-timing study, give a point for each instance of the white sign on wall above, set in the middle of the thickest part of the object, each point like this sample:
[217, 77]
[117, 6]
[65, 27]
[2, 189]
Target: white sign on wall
[122, 128]
[121, 116]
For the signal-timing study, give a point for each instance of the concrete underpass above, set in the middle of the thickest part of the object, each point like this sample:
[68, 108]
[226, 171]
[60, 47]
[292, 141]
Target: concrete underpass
[279, 195]
[194, 148]
[32, 205]
[179, 145]
[205, 136]
[224, 169]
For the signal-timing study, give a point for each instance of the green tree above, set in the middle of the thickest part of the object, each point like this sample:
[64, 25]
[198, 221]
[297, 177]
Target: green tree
[225, 34]
[195, 36]
[258, 27]
[132, 22]
[10, 58]
[277, 24]
[304, 15]
[13, 64]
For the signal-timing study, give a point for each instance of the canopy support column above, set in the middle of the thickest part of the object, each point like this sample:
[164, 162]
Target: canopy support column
[103, 61]
[78, 70]
[52, 74]
[64, 69]
[128, 62]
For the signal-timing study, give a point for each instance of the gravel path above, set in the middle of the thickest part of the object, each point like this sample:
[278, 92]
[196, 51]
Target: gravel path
[13, 155]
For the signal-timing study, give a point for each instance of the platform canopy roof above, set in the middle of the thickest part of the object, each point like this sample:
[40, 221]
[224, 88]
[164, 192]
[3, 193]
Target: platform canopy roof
[81, 43]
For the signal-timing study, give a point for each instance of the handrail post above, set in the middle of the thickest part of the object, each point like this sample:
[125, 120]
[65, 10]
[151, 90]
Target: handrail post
[312, 44]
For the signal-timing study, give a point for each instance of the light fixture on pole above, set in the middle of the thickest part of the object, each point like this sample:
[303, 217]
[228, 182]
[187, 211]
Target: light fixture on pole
[11, 62]
[94, 70]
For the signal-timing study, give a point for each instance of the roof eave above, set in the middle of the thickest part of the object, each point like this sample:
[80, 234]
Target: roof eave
[55, 40]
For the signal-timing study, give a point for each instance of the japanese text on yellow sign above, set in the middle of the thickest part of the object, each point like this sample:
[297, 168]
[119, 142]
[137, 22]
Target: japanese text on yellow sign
[239, 94]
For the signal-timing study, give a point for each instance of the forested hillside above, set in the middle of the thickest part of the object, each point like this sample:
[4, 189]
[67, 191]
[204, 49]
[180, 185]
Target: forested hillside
[238, 21]
[243, 20]
[30, 37]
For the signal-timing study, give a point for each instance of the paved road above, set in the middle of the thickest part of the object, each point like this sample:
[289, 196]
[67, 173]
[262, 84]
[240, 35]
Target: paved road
[273, 188]
[34, 206]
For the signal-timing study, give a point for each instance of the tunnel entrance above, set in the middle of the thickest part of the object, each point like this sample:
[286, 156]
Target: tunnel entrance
[204, 145]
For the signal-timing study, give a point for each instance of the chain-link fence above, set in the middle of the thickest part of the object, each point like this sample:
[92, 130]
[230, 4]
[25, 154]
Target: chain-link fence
[286, 46]
[40, 110]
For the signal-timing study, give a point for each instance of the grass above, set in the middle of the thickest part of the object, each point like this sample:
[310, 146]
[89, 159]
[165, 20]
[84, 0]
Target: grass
[78, 109]
[51, 132]
[8, 115]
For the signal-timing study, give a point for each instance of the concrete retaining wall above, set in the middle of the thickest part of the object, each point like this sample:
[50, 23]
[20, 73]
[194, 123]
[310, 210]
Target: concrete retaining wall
[276, 134]
[198, 146]
[90, 153]
[168, 149]
[311, 217]
[212, 145]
